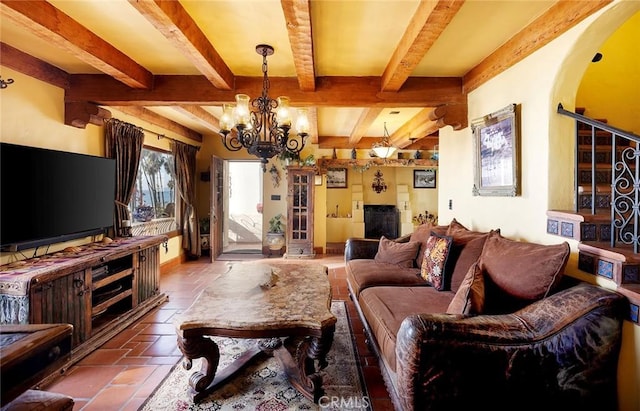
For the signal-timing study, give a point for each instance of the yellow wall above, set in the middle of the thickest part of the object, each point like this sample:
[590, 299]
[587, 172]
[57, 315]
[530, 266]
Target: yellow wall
[32, 114]
[538, 83]
[611, 88]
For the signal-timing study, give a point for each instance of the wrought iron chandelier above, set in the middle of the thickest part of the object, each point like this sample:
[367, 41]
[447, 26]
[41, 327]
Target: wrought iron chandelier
[383, 148]
[263, 132]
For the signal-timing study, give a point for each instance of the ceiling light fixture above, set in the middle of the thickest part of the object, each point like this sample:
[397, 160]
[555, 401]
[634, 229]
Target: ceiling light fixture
[263, 132]
[383, 148]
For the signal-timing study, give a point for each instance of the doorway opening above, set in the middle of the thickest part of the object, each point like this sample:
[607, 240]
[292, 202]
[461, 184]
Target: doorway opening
[242, 226]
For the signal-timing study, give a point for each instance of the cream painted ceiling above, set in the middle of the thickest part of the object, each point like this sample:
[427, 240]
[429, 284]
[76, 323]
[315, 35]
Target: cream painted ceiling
[351, 39]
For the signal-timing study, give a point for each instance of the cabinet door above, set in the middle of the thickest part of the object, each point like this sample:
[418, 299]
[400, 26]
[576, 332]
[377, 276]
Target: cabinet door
[148, 273]
[64, 300]
[300, 212]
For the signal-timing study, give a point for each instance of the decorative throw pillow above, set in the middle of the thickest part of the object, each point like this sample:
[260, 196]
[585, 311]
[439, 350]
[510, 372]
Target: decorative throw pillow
[469, 298]
[435, 259]
[518, 272]
[421, 234]
[400, 254]
[523, 270]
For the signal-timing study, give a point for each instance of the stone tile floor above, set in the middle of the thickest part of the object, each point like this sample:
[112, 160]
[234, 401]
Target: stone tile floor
[124, 371]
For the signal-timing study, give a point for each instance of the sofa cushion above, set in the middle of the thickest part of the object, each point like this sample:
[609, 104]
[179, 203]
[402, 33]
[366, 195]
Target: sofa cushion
[364, 273]
[386, 307]
[421, 234]
[518, 273]
[435, 260]
[465, 251]
[400, 254]
[469, 299]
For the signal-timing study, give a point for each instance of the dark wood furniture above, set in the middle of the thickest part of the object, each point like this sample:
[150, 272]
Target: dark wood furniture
[254, 300]
[99, 288]
[28, 353]
[301, 183]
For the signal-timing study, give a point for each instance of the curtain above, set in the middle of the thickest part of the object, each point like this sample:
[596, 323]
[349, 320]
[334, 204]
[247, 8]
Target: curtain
[184, 156]
[123, 142]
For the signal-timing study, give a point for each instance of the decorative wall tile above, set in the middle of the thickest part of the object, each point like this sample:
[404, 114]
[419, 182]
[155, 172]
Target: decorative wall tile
[552, 226]
[633, 313]
[605, 232]
[588, 232]
[566, 229]
[586, 263]
[631, 274]
[605, 269]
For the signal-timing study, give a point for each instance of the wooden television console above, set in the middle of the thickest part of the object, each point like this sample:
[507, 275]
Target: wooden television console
[99, 288]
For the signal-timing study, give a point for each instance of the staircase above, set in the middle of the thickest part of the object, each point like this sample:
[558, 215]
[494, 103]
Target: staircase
[606, 217]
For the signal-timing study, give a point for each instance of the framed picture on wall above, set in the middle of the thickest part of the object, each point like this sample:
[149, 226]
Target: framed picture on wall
[337, 178]
[496, 139]
[424, 178]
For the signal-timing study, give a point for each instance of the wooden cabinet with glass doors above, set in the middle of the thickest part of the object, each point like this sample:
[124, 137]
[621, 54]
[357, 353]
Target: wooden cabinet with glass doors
[300, 181]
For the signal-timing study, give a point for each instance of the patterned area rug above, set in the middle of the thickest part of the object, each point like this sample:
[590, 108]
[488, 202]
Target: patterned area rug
[263, 386]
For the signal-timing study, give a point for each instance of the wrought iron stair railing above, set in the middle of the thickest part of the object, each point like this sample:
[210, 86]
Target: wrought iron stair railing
[607, 177]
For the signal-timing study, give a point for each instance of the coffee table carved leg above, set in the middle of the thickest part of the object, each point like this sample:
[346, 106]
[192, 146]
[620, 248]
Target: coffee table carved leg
[301, 369]
[205, 381]
[205, 348]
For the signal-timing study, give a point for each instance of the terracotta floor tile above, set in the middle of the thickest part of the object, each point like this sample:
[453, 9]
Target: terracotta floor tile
[166, 345]
[111, 398]
[104, 356]
[122, 373]
[159, 329]
[84, 382]
[134, 375]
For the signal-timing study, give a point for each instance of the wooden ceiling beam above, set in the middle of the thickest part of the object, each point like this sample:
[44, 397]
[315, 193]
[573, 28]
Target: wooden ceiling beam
[297, 14]
[555, 21]
[160, 121]
[427, 24]
[43, 20]
[172, 20]
[363, 124]
[33, 67]
[200, 115]
[330, 91]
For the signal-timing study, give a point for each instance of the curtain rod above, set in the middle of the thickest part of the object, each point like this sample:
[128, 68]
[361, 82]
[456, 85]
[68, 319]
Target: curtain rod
[161, 136]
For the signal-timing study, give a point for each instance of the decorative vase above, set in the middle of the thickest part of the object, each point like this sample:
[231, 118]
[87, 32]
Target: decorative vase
[275, 241]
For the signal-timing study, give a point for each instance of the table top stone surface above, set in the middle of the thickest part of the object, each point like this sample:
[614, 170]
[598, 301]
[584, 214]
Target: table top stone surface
[260, 296]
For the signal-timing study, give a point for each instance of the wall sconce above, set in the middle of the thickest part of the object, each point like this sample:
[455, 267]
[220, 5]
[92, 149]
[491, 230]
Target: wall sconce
[378, 184]
[318, 179]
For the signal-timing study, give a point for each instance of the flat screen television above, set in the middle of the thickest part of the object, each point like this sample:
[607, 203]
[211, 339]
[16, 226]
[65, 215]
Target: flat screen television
[49, 196]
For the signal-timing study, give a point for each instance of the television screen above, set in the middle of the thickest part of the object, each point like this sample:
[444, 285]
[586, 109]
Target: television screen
[48, 196]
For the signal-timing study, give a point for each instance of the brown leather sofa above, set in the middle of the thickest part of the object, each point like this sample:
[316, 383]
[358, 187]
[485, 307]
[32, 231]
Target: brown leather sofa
[507, 330]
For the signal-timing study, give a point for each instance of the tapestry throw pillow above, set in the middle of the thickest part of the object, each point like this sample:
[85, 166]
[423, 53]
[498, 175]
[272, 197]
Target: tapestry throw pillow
[421, 234]
[469, 299]
[435, 260]
[400, 254]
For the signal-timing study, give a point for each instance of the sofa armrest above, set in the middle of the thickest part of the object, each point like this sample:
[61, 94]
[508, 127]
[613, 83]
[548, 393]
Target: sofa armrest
[558, 352]
[360, 248]
[366, 248]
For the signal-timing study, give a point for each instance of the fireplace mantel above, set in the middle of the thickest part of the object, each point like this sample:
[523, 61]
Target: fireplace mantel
[362, 164]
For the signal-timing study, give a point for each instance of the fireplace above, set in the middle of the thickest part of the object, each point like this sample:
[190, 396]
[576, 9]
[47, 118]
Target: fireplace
[381, 220]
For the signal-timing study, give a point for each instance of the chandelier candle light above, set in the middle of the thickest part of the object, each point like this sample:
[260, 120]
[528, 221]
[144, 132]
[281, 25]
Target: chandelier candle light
[264, 132]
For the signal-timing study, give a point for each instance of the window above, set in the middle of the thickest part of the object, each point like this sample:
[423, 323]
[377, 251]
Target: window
[153, 203]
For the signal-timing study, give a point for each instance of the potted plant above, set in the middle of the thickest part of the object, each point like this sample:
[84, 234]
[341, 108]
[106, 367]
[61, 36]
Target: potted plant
[275, 234]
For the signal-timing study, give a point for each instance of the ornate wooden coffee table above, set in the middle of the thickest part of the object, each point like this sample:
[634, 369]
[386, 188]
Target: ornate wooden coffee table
[267, 302]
